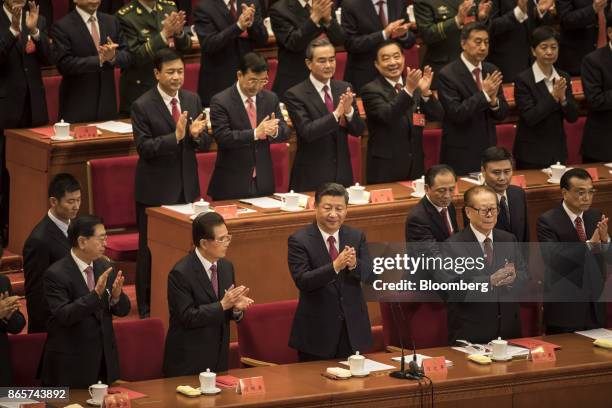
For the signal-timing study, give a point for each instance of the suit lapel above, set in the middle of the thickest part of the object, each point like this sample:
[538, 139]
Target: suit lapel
[435, 216]
[316, 98]
[322, 255]
[468, 77]
[260, 106]
[81, 27]
[224, 11]
[163, 109]
[202, 276]
[102, 28]
[371, 12]
[78, 279]
[224, 278]
[244, 116]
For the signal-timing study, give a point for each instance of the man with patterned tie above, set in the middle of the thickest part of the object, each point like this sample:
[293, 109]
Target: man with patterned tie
[89, 46]
[246, 119]
[83, 292]
[575, 246]
[202, 299]
[470, 92]
[168, 128]
[328, 262]
[227, 29]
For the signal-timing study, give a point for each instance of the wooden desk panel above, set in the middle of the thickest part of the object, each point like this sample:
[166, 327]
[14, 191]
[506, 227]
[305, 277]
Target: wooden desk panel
[581, 376]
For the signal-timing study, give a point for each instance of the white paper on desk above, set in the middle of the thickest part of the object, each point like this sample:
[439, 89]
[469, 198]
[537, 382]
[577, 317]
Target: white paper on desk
[14, 403]
[263, 202]
[471, 180]
[186, 209]
[608, 165]
[513, 351]
[419, 359]
[114, 126]
[596, 333]
[371, 365]
[303, 198]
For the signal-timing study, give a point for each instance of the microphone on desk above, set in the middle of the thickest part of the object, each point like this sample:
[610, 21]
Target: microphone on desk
[414, 371]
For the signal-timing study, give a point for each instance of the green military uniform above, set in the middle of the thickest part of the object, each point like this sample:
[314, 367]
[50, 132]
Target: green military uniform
[142, 30]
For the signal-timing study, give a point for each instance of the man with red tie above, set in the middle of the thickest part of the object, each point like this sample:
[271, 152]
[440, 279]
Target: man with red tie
[328, 261]
[168, 128]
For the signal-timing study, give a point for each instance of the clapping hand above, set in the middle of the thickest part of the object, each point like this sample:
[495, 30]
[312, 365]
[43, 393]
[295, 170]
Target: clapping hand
[425, 81]
[413, 77]
[491, 86]
[232, 296]
[197, 126]
[559, 88]
[107, 51]
[8, 305]
[117, 286]
[181, 125]
[484, 8]
[31, 20]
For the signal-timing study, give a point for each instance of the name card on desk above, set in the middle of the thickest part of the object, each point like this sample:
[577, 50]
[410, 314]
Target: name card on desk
[85, 132]
[435, 366]
[227, 211]
[543, 354]
[251, 386]
[593, 172]
[519, 180]
[310, 203]
[384, 195]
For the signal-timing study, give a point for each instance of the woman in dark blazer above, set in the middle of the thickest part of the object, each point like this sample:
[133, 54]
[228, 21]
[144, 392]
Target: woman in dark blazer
[544, 99]
[11, 321]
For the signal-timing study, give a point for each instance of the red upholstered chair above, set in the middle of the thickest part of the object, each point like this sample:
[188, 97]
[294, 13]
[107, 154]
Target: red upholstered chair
[378, 340]
[25, 353]
[234, 356]
[111, 196]
[421, 322]
[272, 68]
[432, 141]
[206, 165]
[141, 348]
[354, 145]
[263, 334]
[574, 132]
[192, 76]
[60, 9]
[411, 57]
[280, 162]
[340, 65]
[505, 135]
[117, 73]
[531, 319]
[51, 84]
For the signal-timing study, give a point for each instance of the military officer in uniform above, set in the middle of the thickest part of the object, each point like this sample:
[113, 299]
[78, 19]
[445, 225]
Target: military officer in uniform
[148, 26]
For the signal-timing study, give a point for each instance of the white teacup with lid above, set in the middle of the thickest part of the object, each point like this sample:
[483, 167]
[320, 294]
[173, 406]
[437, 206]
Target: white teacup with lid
[557, 171]
[62, 130]
[356, 193]
[208, 381]
[356, 363]
[98, 392]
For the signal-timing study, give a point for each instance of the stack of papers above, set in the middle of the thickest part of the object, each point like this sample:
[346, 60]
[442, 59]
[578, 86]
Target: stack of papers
[114, 126]
[419, 359]
[303, 198]
[485, 350]
[596, 334]
[263, 202]
[371, 365]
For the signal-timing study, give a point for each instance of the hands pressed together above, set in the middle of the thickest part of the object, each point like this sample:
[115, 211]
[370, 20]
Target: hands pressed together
[415, 78]
[345, 105]
[116, 288]
[8, 305]
[236, 298]
[346, 259]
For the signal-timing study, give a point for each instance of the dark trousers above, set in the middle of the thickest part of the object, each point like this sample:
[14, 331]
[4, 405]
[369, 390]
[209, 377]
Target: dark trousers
[343, 350]
[143, 263]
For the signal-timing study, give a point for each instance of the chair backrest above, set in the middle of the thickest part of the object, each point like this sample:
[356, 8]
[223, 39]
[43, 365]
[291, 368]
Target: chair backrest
[505, 135]
[432, 142]
[263, 334]
[574, 132]
[51, 84]
[340, 65]
[423, 323]
[25, 352]
[117, 75]
[272, 68]
[354, 145]
[531, 319]
[206, 165]
[192, 76]
[280, 163]
[141, 348]
[411, 56]
[111, 190]
[60, 9]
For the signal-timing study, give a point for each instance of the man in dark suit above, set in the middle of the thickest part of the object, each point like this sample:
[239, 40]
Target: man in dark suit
[148, 26]
[476, 316]
[295, 24]
[323, 112]
[83, 293]
[440, 23]
[328, 261]
[246, 119]
[226, 30]
[575, 246]
[545, 102]
[24, 47]
[47, 244]
[202, 300]
[434, 218]
[470, 92]
[89, 45]
[597, 85]
[11, 321]
[583, 29]
[395, 143]
[166, 141]
[511, 25]
[366, 25]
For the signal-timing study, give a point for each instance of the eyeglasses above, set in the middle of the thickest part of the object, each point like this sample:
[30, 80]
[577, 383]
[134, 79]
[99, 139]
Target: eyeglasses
[254, 81]
[101, 238]
[483, 212]
[583, 193]
[226, 239]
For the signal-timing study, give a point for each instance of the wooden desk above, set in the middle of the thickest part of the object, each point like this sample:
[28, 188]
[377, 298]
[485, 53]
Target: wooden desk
[33, 161]
[581, 376]
[259, 245]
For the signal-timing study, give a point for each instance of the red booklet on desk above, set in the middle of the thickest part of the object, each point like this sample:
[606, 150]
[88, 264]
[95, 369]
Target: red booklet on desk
[227, 381]
[531, 343]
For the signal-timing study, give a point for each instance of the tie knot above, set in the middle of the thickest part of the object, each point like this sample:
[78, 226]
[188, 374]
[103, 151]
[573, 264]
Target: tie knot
[487, 240]
[443, 211]
[325, 88]
[578, 221]
[174, 101]
[89, 269]
[213, 268]
[92, 19]
[398, 87]
[331, 240]
[250, 101]
[380, 3]
[476, 71]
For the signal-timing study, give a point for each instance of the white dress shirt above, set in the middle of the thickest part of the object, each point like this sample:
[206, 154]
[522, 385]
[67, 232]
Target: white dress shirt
[540, 76]
[480, 237]
[206, 264]
[82, 266]
[60, 224]
[86, 16]
[168, 100]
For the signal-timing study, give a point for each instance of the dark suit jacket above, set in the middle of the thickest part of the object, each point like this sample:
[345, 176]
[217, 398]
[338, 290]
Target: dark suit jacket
[222, 45]
[322, 147]
[509, 40]
[573, 273]
[492, 314]
[597, 85]
[469, 122]
[425, 224]
[198, 334]
[294, 30]
[237, 151]
[14, 325]
[87, 91]
[167, 171]
[579, 31]
[540, 136]
[395, 145]
[46, 245]
[325, 296]
[20, 75]
[80, 329]
[363, 29]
